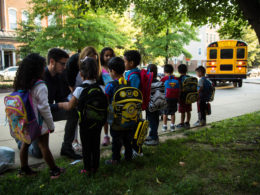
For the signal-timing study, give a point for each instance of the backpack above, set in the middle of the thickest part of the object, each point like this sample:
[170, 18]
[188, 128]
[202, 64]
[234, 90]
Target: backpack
[146, 78]
[21, 117]
[126, 106]
[141, 134]
[172, 88]
[209, 90]
[189, 92]
[157, 101]
[92, 106]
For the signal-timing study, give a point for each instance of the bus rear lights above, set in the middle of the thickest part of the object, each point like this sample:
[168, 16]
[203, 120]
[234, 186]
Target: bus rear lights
[240, 63]
[239, 68]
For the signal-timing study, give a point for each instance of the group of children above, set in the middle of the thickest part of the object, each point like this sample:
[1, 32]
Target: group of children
[112, 73]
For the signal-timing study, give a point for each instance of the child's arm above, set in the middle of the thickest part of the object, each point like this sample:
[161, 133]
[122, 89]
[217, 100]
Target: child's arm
[69, 105]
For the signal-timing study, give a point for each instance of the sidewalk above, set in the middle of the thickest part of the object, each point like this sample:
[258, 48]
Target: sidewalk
[253, 80]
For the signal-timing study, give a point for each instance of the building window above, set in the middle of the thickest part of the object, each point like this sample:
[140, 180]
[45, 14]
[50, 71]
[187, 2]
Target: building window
[199, 51]
[51, 20]
[207, 34]
[38, 21]
[210, 37]
[12, 19]
[25, 16]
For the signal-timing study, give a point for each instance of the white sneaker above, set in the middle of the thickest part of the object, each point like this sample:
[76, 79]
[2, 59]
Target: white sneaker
[172, 128]
[164, 128]
[136, 154]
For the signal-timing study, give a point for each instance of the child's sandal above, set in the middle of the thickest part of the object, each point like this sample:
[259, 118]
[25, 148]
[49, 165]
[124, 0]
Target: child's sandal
[26, 171]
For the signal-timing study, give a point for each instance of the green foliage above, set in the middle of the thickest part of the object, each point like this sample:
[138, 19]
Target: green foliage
[74, 26]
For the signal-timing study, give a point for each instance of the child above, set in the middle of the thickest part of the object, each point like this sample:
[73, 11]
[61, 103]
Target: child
[106, 54]
[203, 96]
[119, 137]
[132, 59]
[153, 117]
[184, 109]
[171, 97]
[29, 72]
[90, 137]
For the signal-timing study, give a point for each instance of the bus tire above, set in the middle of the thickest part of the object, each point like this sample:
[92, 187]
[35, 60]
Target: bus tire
[235, 84]
[240, 83]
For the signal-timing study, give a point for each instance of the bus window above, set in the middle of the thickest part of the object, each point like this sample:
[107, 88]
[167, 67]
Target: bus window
[213, 54]
[226, 53]
[240, 53]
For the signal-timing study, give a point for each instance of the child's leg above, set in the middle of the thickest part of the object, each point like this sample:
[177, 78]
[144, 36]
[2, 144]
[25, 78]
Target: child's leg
[203, 106]
[165, 120]
[183, 117]
[24, 155]
[172, 119]
[106, 140]
[116, 144]
[86, 148]
[127, 138]
[188, 117]
[43, 142]
[96, 149]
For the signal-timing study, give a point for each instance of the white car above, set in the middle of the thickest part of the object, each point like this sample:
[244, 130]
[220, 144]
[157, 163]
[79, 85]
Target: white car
[8, 73]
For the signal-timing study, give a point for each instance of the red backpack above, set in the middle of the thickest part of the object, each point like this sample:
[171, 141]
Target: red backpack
[146, 78]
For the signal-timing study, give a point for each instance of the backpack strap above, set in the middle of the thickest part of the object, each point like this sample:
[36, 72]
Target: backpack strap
[128, 78]
[39, 82]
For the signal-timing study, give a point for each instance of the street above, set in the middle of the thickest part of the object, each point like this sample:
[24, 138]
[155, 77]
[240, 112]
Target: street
[229, 102]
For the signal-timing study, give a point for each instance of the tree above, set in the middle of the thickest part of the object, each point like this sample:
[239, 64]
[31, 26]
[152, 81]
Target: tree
[200, 12]
[72, 27]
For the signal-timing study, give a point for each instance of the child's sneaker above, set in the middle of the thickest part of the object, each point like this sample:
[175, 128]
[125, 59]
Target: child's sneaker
[164, 128]
[187, 125]
[77, 146]
[172, 128]
[26, 171]
[111, 162]
[152, 142]
[136, 154]
[180, 126]
[106, 141]
[56, 172]
[197, 124]
[148, 138]
[202, 123]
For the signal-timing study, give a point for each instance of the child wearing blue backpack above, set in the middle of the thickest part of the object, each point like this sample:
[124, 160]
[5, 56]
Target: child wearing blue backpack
[172, 88]
[205, 93]
[28, 81]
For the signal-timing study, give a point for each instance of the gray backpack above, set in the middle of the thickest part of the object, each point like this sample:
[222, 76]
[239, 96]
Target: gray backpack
[157, 100]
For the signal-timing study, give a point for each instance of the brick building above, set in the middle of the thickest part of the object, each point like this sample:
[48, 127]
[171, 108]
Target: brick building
[12, 12]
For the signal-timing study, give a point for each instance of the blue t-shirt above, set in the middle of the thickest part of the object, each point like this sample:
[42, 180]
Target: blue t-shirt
[109, 90]
[134, 79]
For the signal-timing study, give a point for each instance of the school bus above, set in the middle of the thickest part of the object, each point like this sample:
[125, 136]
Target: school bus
[227, 61]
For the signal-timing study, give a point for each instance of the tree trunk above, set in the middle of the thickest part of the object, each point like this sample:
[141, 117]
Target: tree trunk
[251, 12]
[167, 47]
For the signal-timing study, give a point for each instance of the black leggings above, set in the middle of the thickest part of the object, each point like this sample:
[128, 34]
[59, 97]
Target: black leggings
[202, 108]
[90, 140]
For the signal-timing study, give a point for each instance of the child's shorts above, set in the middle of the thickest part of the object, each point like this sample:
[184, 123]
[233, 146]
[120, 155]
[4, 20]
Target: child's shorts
[184, 107]
[171, 107]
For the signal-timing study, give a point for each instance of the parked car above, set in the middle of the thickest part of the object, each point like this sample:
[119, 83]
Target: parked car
[253, 73]
[8, 73]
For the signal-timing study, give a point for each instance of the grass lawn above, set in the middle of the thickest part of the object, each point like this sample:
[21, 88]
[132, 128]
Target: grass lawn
[222, 159]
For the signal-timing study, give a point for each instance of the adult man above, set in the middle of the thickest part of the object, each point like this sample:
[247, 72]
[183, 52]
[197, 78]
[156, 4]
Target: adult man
[58, 92]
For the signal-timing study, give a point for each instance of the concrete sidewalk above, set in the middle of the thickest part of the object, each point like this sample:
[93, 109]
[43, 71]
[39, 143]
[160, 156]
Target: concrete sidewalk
[229, 102]
[253, 80]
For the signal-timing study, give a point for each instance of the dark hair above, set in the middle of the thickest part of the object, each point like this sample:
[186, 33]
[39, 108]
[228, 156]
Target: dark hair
[201, 69]
[89, 68]
[29, 71]
[56, 54]
[102, 53]
[133, 55]
[182, 68]
[117, 64]
[168, 68]
[153, 68]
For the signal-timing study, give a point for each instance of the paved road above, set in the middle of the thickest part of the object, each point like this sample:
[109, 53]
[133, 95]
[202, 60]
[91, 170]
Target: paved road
[229, 102]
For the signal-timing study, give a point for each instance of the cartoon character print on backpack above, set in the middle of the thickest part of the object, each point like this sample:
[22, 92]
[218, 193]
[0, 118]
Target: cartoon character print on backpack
[172, 88]
[92, 106]
[21, 117]
[189, 92]
[126, 106]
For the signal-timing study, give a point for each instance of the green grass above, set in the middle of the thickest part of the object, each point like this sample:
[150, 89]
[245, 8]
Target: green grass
[223, 159]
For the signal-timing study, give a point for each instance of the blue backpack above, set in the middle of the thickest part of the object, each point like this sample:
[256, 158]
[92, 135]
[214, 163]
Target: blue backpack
[209, 90]
[172, 88]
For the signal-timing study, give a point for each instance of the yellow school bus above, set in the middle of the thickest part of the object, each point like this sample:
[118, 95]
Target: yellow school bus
[227, 61]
